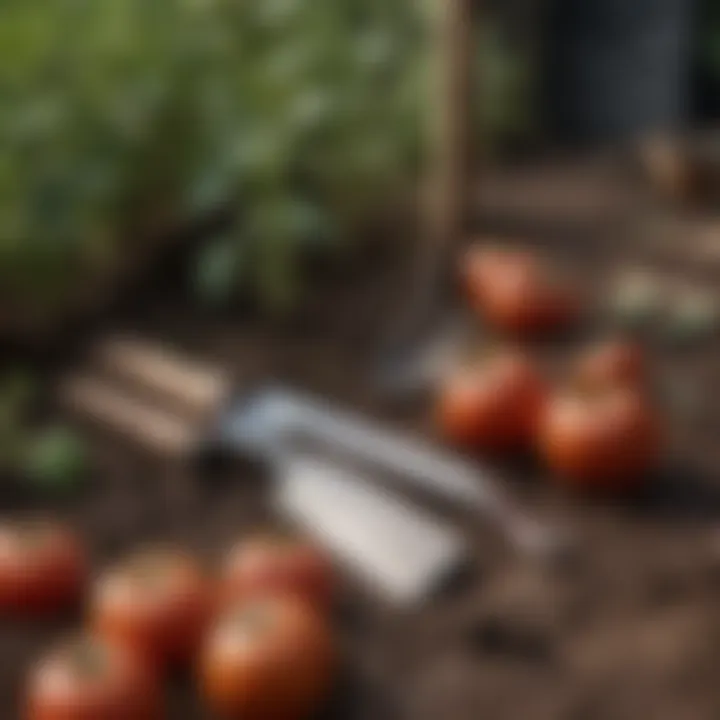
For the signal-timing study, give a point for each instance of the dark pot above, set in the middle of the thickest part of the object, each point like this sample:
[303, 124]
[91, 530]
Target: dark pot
[616, 69]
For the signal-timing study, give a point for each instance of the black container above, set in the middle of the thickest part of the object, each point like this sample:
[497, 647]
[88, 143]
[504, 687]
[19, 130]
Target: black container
[615, 69]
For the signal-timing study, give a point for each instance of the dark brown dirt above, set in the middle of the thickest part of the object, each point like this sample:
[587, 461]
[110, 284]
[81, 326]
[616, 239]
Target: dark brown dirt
[630, 630]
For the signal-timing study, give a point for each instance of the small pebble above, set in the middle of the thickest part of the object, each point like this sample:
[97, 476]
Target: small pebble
[635, 300]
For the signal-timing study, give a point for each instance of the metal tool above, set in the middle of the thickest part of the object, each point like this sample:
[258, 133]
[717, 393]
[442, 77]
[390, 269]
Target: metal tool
[396, 550]
[416, 367]
[273, 422]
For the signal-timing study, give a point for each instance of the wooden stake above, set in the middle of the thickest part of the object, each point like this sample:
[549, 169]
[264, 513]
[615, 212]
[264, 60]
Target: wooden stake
[451, 108]
[446, 182]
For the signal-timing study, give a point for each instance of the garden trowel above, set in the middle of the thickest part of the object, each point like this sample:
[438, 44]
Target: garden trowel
[175, 407]
[396, 550]
[275, 420]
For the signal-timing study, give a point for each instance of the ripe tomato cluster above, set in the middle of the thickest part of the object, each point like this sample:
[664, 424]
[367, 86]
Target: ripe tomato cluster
[256, 633]
[599, 431]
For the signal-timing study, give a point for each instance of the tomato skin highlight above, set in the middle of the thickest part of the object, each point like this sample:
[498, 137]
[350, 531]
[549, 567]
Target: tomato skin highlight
[617, 361]
[89, 679]
[494, 405]
[606, 440]
[524, 303]
[275, 564]
[481, 265]
[518, 294]
[270, 659]
[43, 567]
[158, 602]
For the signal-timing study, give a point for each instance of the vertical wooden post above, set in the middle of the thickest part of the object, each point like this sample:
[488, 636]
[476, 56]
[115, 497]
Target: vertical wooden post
[445, 185]
[451, 108]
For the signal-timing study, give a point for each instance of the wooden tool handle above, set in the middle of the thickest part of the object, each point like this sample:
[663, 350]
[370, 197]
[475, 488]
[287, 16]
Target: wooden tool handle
[160, 433]
[197, 388]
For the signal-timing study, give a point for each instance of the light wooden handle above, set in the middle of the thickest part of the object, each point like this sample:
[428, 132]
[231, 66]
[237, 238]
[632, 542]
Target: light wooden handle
[200, 389]
[159, 432]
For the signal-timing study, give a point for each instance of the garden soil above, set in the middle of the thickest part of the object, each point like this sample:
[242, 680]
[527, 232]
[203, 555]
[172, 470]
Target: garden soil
[628, 627]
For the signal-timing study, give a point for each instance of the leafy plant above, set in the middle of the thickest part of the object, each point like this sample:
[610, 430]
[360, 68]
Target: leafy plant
[120, 117]
[120, 113]
[52, 459]
[55, 460]
[504, 87]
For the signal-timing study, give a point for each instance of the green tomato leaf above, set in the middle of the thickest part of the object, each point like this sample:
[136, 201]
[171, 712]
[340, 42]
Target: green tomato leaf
[217, 271]
[56, 460]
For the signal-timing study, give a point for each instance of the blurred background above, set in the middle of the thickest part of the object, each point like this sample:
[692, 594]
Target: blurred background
[297, 118]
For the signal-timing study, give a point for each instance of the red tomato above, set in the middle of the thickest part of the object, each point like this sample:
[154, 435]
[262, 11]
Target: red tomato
[614, 362]
[43, 567]
[89, 679]
[278, 564]
[267, 659]
[518, 294]
[483, 264]
[493, 405]
[602, 439]
[157, 602]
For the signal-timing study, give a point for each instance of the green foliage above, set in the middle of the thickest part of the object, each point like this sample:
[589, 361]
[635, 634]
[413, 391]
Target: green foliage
[55, 460]
[115, 115]
[217, 271]
[115, 112]
[51, 459]
[504, 88]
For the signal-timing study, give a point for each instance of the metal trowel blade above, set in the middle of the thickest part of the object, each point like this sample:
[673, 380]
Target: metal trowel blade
[407, 374]
[400, 553]
[274, 423]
